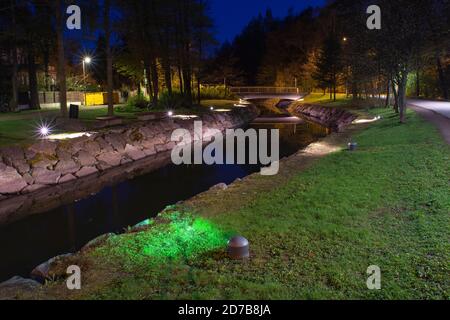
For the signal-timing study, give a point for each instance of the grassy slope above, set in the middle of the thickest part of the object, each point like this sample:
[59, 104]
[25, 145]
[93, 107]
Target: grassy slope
[343, 101]
[320, 98]
[313, 237]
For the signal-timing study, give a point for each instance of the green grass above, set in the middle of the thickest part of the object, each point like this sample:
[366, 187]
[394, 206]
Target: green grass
[320, 98]
[18, 128]
[219, 103]
[15, 132]
[343, 101]
[311, 238]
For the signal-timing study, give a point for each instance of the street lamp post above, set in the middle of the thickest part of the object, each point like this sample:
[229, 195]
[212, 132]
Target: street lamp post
[86, 60]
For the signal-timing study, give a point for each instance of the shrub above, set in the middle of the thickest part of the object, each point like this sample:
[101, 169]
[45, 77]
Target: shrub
[215, 92]
[172, 102]
[139, 101]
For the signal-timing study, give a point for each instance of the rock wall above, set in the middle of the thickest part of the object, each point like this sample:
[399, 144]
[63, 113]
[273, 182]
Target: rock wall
[333, 118]
[48, 173]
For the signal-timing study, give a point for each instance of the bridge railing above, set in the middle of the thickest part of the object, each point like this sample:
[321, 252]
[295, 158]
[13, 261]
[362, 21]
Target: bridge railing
[264, 90]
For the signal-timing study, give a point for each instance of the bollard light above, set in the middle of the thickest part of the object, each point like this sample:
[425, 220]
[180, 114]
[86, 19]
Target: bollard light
[238, 248]
[43, 129]
[352, 146]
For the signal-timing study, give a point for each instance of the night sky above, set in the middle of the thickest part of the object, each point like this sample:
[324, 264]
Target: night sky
[231, 16]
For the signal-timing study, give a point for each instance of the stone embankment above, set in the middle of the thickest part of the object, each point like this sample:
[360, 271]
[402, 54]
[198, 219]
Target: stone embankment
[333, 118]
[49, 173]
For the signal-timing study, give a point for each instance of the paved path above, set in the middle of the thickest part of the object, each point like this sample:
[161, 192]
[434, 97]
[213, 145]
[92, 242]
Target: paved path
[437, 113]
[441, 107]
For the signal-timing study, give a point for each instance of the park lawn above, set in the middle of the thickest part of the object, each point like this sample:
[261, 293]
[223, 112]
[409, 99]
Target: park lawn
[219, 103]
[19, 128]
[320, 98]
[344, 102]
[312, 237]
[16, 132]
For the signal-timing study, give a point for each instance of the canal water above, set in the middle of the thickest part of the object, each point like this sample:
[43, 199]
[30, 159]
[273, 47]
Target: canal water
[29, 242]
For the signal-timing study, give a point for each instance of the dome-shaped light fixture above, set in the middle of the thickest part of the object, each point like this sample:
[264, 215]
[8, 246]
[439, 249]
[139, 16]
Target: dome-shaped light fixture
[352, 146]
[238, 248]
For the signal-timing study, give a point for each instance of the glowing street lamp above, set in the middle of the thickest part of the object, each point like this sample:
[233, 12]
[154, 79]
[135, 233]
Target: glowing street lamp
[86, 60]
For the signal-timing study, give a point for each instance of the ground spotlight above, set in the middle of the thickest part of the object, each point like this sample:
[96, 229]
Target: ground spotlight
[238, 248]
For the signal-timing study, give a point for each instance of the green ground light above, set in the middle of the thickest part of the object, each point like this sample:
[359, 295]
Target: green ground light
[182, 238]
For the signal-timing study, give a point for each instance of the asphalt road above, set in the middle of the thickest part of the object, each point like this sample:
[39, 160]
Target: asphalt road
[441, 107]
[437, 113]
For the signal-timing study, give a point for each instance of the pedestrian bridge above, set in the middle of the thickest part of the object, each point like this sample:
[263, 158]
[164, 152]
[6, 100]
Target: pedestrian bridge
[252, 93]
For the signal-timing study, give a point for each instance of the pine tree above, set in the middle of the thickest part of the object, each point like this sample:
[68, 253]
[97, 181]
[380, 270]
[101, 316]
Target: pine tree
[329, 65]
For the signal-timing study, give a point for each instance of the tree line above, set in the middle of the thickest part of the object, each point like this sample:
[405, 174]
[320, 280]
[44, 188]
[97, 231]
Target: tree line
[156, 42]
[163, 46]
[333, 50]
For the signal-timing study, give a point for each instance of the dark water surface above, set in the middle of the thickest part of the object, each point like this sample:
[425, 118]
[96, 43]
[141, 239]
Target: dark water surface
[29, 242]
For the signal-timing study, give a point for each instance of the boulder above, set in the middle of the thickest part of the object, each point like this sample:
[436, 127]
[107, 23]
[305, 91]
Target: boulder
[11, 182]
[63, 154]
[92, 147]
[150, 151]
[12, 154]
[67, 166]
[67, 178]
[28, 178]
[125, 161]
[110, 159]
[9, 289]
[30, 154]
[43, 162]
[43, 271]
[148, 144]
[134, 135]
[134, 153]
[86, 171]
[44, 147]
[86, 159]
[165, 147]
[45, 176]
[22, 166]
[116, 141]
[33, 188]
[146, 132]
[105, 147]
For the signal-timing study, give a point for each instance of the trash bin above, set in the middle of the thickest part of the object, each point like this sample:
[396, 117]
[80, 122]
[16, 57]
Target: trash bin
[74, 111]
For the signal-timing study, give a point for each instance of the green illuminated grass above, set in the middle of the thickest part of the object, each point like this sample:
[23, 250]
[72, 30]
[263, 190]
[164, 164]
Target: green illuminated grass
[181, 237]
